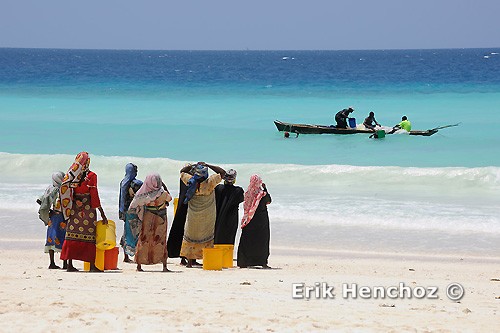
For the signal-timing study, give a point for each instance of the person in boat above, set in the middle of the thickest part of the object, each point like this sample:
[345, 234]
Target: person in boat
[404, 124]
[370, 121]
[342, 116]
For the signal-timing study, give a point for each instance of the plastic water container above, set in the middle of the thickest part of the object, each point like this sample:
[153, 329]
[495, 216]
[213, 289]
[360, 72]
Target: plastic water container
[111, 258]
[105, 235]
[352, 122]
[380, 134]
[176, 203]
[99, 261]
[104, 260]
[227, 254]
[212, 259]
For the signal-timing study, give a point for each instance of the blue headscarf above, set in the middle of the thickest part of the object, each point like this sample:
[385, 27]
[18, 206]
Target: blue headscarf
[130, 174]
[200, 174]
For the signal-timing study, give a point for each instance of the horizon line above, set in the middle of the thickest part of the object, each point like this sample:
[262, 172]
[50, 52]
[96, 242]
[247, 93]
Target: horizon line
[247, 49]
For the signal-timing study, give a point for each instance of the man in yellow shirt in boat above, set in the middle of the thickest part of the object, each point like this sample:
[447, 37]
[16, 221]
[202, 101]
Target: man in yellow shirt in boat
[405, 124]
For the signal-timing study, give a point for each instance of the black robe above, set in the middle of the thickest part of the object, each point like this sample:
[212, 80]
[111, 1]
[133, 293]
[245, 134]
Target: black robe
[228, 199]
[255, 236]
[176, 234]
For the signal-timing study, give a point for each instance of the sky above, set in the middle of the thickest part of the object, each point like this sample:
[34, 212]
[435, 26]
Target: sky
[250, 24]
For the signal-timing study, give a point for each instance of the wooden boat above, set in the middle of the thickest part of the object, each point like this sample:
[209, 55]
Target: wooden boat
[322, 129]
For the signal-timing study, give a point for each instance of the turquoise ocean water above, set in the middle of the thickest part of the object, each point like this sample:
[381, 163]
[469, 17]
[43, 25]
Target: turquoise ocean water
[161, 109]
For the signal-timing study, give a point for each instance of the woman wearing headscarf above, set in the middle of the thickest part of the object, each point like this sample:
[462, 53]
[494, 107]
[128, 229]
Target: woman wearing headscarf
[255, 232]
[150, 204]
[50, 214]
[128, 187]
[228, 198]
[200, 197]
[176, 234]
[79, 202]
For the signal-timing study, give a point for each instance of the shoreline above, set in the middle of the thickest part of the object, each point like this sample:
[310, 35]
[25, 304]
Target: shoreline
[36, 244]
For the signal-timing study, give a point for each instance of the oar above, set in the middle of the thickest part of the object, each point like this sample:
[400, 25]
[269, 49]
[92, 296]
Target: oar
[441, 127]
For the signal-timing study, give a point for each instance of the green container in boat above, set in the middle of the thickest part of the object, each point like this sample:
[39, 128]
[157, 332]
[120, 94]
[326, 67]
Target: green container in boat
[380, 134]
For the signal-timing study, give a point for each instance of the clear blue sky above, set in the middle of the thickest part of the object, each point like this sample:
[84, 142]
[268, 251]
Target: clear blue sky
[250, 24]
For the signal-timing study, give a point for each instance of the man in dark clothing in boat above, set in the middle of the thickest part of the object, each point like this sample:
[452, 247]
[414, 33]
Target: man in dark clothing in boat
[370, 121]
[342, 116]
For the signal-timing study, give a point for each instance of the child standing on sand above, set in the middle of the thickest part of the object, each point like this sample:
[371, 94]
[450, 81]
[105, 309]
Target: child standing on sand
[50, 214]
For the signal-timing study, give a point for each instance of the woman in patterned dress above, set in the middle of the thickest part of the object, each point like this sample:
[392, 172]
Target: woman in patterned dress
[150, 204]
[128, 187]
[79, 202]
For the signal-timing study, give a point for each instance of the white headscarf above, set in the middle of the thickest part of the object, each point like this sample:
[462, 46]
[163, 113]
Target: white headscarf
[50, 196]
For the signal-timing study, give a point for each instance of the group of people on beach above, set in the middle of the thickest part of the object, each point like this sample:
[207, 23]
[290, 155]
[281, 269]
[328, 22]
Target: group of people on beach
[206, 213]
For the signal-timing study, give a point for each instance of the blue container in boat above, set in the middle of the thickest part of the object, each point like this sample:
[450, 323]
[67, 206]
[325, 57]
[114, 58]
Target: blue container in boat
[352, 122]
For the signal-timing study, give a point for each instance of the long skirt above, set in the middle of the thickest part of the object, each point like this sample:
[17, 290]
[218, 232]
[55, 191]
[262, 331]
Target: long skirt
[174, 241]
[80, 232]
[152, 244]
[194, 250]
[131, 232]
[253, 249]
[199, 228]
[56, 233]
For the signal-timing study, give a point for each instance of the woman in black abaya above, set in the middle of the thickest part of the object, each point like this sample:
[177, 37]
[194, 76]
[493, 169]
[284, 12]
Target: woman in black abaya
[253, 249]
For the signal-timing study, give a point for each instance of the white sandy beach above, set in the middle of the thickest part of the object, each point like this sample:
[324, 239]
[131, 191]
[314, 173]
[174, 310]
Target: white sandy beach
[35, 299]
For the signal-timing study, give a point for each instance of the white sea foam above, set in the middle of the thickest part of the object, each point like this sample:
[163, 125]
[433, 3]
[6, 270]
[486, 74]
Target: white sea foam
[400, 200]
[454, 181]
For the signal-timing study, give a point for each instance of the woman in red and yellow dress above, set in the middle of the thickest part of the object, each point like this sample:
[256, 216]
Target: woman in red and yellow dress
[79, 202]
